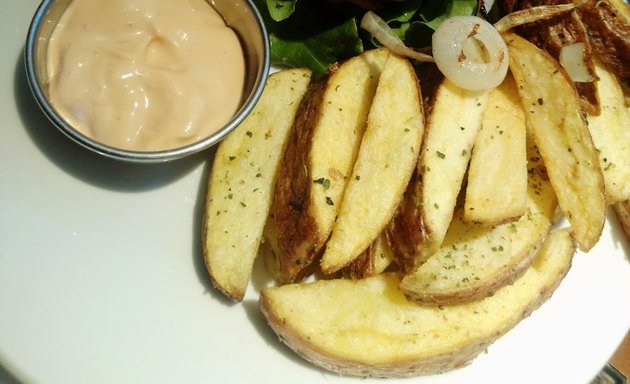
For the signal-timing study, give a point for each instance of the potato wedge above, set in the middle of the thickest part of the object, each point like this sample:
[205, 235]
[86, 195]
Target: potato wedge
[242, 182]
[475, 260]
[496, 191]
[554, 34]
[622, 7]
[425, 213]
[371, 262]
[559, 128]
[611, 135]
[368, 328]
[268, 250]
[386, 159]
[622, 211]
[319, 158]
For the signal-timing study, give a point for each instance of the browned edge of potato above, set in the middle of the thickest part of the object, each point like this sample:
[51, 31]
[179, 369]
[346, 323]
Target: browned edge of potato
[423, 217]
[371, 262]
[475, 259]
[496, 188]
[610, 131]
[386, 159]
[319, 158]
[559, 127]
[368, 328]
[242, 182]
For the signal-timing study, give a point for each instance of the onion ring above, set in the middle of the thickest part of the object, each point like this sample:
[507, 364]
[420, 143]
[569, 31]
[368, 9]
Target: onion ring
[470, 53]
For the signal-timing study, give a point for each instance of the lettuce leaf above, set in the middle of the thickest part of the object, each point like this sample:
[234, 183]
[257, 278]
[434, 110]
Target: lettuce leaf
[318, 51]
[317, 33]
[280, 9]
[311, 34]
[437, 11]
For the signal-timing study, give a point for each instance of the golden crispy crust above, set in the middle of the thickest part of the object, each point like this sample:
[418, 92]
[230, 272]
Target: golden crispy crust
[295, 227]
[377, 258]
[574, 172]
[397, 369]
[480, 291]
[319, 347]
[362, 266]
[557, 32]
[242, 181]
[406, 232]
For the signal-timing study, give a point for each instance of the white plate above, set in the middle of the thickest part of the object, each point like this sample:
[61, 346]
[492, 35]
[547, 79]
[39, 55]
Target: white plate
[102, 279]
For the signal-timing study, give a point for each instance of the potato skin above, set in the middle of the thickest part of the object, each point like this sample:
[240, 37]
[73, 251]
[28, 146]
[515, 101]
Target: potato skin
[561, 133]
[319, 158]
[423, 217]
[348, 367]
[407, 231]
[386, 158]
[476, 259]
[377, 258]
[295, 227]
[242, 181]
[341, 325]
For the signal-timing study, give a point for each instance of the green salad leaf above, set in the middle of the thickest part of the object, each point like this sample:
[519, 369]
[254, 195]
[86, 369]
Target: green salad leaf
[318, 51]
[309, 33]
[280, 9]
[437, 11]
[317, 33]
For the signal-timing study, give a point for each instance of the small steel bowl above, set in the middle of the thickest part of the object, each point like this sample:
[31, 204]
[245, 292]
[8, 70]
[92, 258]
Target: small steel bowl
[241, 15]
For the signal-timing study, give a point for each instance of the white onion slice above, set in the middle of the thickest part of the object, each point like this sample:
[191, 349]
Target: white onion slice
[372, 23]
[529, 15]
[572, 60]
[470, 52]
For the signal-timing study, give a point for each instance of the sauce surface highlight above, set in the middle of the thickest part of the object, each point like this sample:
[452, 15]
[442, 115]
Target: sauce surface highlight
[145, 74]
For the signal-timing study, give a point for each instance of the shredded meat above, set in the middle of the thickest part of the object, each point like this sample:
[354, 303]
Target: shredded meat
[595, 23]
[609, 34]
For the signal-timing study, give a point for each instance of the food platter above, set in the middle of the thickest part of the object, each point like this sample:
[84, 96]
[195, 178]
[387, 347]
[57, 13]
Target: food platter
[102, 278]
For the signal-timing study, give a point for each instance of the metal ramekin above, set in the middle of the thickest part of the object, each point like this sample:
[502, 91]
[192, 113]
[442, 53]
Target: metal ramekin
[240, 15]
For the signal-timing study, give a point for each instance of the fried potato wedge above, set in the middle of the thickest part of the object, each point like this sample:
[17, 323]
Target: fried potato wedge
[319, 158]
[386, 159]
[611, 135]
[446, 151]
[559, 128]
[268, 250]
[622, 211]
[622, 9]
[371, 262]
[496, 190]
[425, 213]
[242, 182]
[369, 328]
[475, 260]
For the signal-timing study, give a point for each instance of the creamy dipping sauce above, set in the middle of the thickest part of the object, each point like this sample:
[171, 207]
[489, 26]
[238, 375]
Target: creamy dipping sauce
[145, 75]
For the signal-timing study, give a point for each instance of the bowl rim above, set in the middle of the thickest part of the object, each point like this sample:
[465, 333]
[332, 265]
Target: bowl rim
[132, 155]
